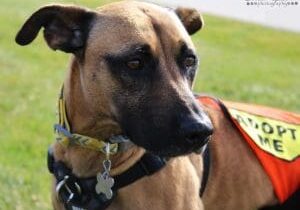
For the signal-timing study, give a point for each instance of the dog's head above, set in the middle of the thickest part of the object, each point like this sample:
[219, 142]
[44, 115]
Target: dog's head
[137, 60]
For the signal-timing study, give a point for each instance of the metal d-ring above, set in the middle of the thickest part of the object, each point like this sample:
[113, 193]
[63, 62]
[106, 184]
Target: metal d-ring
[63, 185]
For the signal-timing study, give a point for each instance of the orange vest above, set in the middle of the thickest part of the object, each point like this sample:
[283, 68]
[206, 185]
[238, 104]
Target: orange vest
[274, 137]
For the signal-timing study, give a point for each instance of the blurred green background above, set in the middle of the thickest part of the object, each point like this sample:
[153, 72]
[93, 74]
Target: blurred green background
[239, 61]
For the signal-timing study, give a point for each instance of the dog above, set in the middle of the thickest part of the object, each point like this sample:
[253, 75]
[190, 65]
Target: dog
[131, 73]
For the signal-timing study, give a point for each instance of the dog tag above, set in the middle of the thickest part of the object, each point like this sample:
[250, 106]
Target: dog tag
[104, 181]
[104, 185]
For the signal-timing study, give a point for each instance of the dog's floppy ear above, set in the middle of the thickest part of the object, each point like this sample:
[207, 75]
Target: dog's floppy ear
[66, 27]
[191, 19]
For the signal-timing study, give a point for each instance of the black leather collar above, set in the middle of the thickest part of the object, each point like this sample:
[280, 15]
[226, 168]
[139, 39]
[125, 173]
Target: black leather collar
[79, 193]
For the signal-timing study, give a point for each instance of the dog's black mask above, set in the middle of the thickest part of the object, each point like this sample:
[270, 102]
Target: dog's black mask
[156, 112]
[168, 130]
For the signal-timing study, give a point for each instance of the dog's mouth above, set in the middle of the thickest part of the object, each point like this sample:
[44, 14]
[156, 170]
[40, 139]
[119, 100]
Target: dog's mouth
[185, 148]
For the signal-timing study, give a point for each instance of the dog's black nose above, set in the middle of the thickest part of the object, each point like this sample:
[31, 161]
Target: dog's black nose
[196, 131]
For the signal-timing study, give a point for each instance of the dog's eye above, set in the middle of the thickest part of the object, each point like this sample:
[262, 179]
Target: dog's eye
[135, 64]
[189, 61]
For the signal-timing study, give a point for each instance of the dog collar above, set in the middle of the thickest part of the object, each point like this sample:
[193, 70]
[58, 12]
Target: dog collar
[65, 137]
[79, 193]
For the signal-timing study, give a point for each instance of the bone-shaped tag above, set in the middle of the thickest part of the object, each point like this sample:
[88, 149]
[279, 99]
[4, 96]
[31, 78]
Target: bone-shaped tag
[104, 185]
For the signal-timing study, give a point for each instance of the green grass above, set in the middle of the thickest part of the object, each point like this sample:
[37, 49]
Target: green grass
[239, 61]
[249, 63]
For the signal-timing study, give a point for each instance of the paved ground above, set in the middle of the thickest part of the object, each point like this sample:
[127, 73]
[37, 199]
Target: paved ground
[285, 14]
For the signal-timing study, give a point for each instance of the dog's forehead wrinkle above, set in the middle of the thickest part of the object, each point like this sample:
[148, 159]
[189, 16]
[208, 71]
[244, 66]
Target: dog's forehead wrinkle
[131, 49]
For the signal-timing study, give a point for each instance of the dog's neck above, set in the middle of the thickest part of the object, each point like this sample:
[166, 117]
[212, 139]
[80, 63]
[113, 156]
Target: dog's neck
[85, 120]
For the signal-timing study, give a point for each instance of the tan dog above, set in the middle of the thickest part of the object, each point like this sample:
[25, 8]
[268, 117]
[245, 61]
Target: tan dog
[131, 73]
